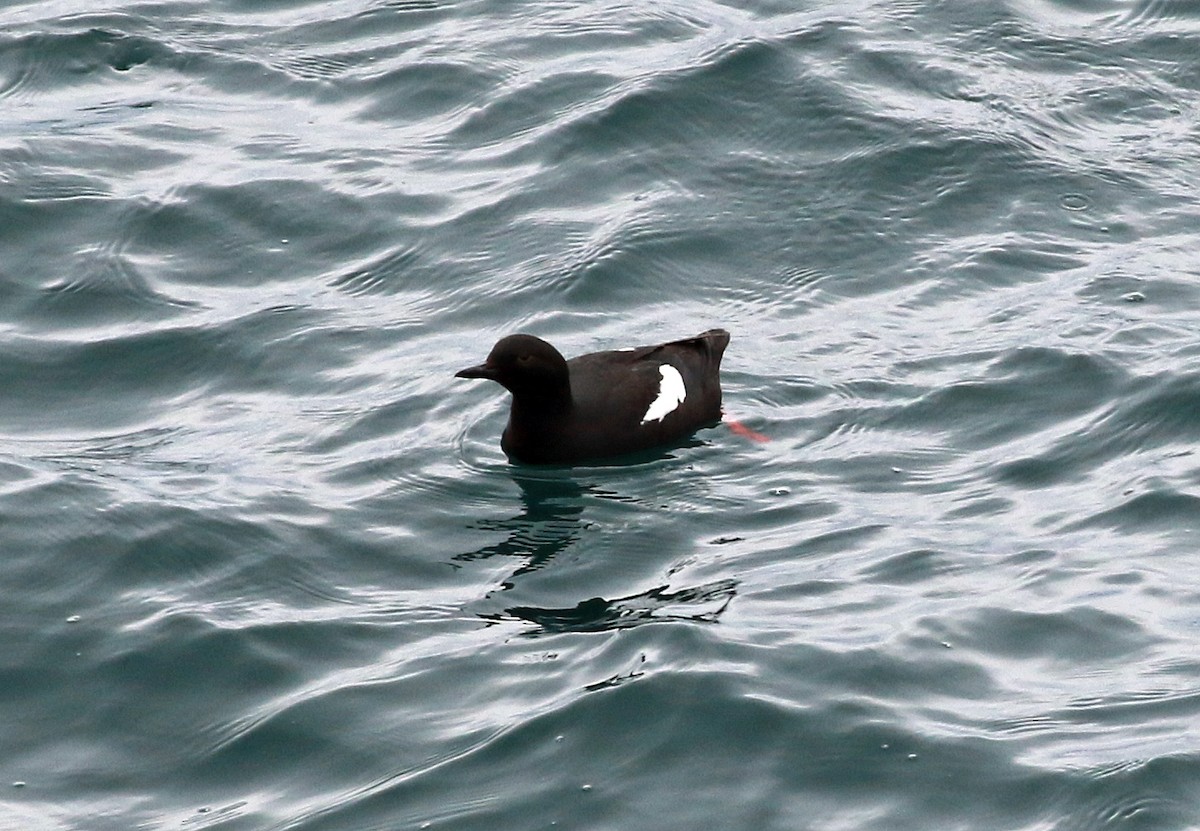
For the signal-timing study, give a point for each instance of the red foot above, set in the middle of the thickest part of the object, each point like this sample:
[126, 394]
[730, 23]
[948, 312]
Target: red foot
[746, 432]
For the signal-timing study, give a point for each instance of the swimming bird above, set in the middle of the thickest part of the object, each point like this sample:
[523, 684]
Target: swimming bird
[603, 404]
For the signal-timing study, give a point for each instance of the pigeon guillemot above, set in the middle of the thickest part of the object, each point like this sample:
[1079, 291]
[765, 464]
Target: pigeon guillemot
[606, 403]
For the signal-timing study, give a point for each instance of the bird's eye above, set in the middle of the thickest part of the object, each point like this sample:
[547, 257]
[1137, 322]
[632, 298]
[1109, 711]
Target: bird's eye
[525, 359]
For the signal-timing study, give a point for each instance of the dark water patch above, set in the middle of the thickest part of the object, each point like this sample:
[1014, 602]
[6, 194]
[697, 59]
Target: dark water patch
[982, 506]
[1011, 259]
[1134, 707]
[35, 63]
[1158, 509]
[1027, 32]
[1159, 15]
[36, 224]
[1141, 794]
[426, 89]
[408, 267]
[911, 567]
[1025, 391]
[509, 128]
[189, 661]
[789, 524]
[672, 103]
[887, 202]
[122, 549]
[216, 233]
[1161, 288]
[387, 10]
[35, 175]
[791, 770]
[1040, 568]
[826, 543]
[50, 383]
[658, 255]
[1074, 636]
[897, 72]
[178, 655]
[358, 426]
[50, 186]
[831, 651]
[55, 383]
[408, 5]
[105, 286]
[569, 30]
[1153, 413]
[641, 114]
[319, 67]
[170, 551]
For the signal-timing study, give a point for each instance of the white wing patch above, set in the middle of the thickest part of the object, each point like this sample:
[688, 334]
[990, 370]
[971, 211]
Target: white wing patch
[670, 394]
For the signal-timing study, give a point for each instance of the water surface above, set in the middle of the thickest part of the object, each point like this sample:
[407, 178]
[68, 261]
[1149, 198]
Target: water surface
[266, 567]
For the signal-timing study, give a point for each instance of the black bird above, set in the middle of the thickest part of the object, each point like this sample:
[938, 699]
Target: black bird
[603, 404]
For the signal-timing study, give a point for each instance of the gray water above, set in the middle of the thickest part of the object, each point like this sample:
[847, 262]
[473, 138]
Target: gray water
[265, 566]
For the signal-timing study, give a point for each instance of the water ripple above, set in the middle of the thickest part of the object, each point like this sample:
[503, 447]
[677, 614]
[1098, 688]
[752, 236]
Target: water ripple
[270, 568]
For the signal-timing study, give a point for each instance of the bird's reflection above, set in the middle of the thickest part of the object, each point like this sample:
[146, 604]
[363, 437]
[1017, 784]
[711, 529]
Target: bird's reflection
[551, 520]
[699, 604]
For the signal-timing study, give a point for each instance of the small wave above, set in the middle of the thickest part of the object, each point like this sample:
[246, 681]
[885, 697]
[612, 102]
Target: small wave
[40, 62]
[1159, 15]
[107, 285]
[388, 7]
[911, 567]
[1152, 414]
[1080, 635]
[405, 268]
[1165, 509]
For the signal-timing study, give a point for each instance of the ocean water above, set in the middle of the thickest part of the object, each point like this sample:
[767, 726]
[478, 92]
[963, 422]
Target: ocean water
[264, 565]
